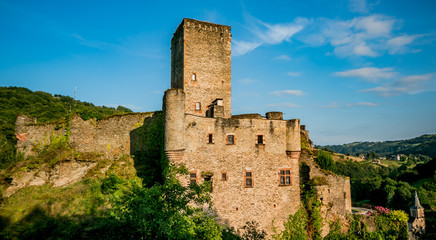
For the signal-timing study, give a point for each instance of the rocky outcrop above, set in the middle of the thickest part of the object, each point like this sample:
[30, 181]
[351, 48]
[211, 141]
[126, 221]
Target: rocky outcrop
[62, 174]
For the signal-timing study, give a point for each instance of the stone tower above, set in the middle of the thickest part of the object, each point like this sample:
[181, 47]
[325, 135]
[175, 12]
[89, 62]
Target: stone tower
[201, 66]
[417, 221]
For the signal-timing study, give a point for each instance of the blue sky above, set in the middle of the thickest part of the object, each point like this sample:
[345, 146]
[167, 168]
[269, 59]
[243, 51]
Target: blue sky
[351, 70]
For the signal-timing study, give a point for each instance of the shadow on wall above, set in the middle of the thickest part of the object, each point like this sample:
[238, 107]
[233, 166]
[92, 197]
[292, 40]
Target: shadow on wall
[146, 148]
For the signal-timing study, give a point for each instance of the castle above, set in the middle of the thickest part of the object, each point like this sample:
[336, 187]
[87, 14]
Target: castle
[251, 161]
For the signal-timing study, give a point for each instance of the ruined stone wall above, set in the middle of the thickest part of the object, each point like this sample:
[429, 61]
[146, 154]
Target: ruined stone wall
[206, 49]
[233, 203]
[333, 192]
[109, 136]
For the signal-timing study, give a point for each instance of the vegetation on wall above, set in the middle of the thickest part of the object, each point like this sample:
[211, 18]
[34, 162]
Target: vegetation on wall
[45, 108]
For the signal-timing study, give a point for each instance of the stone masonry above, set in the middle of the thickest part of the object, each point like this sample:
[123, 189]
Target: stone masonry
[250, 160]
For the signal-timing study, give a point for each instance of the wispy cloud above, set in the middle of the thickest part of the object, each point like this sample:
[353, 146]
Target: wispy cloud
[412, 84]
[284, 104]
[334, 105]
[361, 104]
[246, 81]
[288, 92]
[266, 34]
[371, 74]
[369, 36]
[294, 74]
[359, 6]
[283, 57]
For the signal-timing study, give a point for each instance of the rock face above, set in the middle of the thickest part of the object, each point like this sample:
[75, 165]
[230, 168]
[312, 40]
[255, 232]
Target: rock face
[63, 174]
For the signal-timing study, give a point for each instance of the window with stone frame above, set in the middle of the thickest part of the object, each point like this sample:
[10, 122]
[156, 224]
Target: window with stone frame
[223, 176]
[210, 138]
[197, 106]
[230, 139]
[193, 177]
[285, 177]
[260, 139]
[248, 179]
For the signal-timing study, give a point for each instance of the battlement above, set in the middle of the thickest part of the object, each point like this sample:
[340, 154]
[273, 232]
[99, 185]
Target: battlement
[201, 25]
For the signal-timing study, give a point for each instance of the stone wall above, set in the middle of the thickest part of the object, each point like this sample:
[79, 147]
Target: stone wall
[203, 49]
[111, 136]
[333, 192]
[233, 203]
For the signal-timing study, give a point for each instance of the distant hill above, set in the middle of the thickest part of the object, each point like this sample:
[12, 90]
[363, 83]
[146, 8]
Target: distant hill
[425, 145]
[45, 108]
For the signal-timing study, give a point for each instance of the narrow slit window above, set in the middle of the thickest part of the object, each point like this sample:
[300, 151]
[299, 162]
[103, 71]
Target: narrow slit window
[248, 179]
[210, 138]
[285, 177]
[194, 77]
[197, 106]
[193, 177]
[224, 176]
[230, 139]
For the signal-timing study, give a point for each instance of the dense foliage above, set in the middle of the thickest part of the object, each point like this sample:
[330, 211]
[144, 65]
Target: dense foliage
[42, 106]
[425, 145]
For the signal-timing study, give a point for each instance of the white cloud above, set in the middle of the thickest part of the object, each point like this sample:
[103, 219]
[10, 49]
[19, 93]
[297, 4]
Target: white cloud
[288, 92]
[398, 44]
[334, 105]
[294, 74]
[371, 74]
[359, 6]
[361, 104]
[246, 81]
[283, 57]
[284, 104]
[242, 47]
[369, 36]
[265, 33]
[412, 84]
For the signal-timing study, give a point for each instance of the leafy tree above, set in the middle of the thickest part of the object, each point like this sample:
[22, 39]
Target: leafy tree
[325, 161]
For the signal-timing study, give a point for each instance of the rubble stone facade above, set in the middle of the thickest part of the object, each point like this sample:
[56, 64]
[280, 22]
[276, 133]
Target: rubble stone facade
[251, 161]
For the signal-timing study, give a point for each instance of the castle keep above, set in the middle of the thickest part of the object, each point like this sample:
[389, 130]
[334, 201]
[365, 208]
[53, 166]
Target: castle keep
[250, 160]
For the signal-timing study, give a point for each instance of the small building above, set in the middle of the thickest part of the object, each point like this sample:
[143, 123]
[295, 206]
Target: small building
[417, 221]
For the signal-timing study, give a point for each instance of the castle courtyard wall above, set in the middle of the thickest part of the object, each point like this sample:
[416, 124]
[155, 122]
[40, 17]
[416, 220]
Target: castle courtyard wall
[110, 136]
[233, 203]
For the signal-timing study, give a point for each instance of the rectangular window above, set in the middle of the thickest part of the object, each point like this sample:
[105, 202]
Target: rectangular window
[285, 177]
[193, 177]
[230, 139]
[197, 106]
[210, 138]
[224, 176]
[194, 77]
[260, 139]
[248, 179]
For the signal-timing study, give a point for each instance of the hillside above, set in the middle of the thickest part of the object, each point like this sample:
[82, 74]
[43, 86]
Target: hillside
[425, 145]
[45, 108]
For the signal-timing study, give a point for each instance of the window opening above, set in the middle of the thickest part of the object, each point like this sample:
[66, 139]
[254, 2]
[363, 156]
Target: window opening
[224, 176]
[194, 77]
[260, 139]
[193, 177]
[208, 181]
[197, 106]
[210, 138]
[248, 179]
[285, 177]
[230, 139]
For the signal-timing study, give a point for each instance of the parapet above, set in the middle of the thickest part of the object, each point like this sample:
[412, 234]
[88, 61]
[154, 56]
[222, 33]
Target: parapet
[248, 116]
[207, 26]
[274, 115]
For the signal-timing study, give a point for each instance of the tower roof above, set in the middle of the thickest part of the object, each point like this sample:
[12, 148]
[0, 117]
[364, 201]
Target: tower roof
[417, 204]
